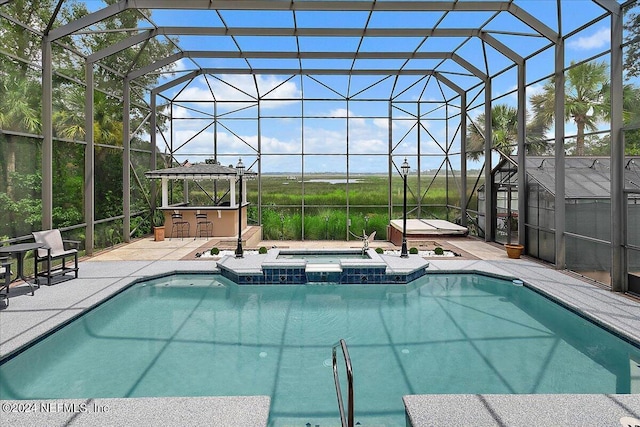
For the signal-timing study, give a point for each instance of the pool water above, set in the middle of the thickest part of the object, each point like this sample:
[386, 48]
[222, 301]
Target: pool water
[323, 257]
[195, 335]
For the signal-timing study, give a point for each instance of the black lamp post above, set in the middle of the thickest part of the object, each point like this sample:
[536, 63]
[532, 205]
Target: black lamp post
[239, 172]
[326, 228]
[281, 226]
[405, 172]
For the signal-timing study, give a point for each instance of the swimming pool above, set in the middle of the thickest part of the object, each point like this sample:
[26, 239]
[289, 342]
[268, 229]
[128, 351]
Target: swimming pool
[203, 335]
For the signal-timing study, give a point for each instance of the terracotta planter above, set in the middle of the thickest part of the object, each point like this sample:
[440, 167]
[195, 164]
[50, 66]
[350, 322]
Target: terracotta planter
[514, 250]
[158, 234]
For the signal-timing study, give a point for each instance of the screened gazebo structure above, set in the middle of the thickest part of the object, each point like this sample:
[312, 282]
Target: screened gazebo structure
[588, 209]
[96, 94]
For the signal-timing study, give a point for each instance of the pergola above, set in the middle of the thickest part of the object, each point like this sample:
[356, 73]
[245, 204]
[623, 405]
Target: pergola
[453, 50]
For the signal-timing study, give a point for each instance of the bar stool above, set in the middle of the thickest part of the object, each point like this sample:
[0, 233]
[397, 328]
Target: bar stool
[178, 224]
[203, 223]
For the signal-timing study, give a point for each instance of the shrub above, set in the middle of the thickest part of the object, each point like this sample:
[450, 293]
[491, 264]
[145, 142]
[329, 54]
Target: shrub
[215, 251]
[438, 250]
[413, 251]
[158, 218]
[262, 250]
[379, 250]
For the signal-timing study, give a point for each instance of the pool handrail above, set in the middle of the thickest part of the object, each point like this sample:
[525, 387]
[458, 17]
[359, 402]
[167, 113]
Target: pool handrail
[347, 361]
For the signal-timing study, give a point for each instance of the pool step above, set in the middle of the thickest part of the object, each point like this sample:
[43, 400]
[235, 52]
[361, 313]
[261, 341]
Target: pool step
[323, 268]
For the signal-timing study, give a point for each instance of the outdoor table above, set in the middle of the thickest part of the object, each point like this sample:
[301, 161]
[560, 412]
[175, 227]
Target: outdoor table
[19, 250]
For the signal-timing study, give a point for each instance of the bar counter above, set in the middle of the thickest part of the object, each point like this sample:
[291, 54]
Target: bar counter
[224, 219]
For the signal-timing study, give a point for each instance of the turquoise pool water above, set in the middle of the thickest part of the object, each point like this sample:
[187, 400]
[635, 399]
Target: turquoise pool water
[195, 335]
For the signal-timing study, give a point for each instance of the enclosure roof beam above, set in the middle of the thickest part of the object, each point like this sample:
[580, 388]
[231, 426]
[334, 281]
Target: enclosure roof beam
[449, 83]
[319, 55]
[323, 5]
[175, 82]
[122, 45]
[90, 19]
[312, 32]
[502, 48]
[317, 71]
[609, 5]
[195, 73]
[449, 32]
[533, 22]
[338, 55]
[156, 65]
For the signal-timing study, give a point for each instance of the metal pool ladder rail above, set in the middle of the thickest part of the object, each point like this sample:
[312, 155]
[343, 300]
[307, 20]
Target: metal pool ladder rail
[346, 422]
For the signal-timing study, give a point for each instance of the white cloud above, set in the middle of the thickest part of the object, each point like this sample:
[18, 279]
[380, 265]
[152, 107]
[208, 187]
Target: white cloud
[243, 88]
[274, 145]
[381, 123]
[183, 64]
[286, 90]
[239, 88]
[599, 39]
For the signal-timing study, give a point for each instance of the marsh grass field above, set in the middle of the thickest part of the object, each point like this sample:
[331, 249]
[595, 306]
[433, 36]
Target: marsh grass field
[316, 208]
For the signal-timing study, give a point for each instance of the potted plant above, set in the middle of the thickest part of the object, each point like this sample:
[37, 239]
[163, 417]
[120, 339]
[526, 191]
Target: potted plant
[514, 250]
[158, 225]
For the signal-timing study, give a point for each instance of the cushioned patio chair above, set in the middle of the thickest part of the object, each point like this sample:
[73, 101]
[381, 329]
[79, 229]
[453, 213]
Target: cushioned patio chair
[5, 278]
[54, 249]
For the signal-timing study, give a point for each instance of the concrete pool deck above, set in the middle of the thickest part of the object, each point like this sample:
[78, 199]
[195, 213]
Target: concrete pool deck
[28, 317]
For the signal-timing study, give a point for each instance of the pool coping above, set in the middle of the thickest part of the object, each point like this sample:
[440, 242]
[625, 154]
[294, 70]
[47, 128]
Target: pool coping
[221, 411]
[29, 317]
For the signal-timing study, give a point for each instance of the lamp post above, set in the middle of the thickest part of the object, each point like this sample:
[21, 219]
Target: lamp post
[405, 172]
[281, 226]
[326, 228]
[239, 172]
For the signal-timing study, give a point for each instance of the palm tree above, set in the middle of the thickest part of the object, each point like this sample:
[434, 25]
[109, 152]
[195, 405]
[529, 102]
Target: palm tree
[17, 113]
[504, 126]
[585, 100]
[69, 121]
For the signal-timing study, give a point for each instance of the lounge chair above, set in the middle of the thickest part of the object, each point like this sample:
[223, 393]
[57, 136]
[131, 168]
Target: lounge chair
[5, 276]
[54, 249]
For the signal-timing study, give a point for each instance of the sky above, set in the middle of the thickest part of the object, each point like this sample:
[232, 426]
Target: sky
[325, 130]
